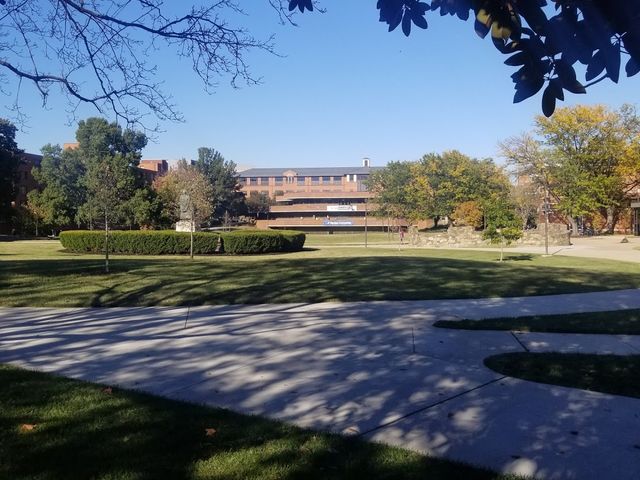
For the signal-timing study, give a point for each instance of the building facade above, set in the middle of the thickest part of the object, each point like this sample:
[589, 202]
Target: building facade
[330, 199]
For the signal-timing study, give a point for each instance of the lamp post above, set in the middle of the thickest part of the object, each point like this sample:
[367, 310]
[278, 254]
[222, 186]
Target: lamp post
[365, 223]
[546, 209]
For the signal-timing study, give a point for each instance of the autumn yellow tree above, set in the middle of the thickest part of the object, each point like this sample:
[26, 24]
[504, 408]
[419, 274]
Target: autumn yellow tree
[586, 157]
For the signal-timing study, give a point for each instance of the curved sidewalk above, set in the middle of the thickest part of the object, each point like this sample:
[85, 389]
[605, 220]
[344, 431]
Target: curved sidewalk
[376, 369]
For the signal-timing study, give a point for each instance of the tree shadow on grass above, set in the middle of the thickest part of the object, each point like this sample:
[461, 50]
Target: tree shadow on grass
[144, 282]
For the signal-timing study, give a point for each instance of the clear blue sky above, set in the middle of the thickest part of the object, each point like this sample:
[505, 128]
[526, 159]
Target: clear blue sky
[344, 88]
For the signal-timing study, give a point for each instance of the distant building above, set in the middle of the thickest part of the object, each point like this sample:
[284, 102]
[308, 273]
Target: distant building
[316, 199]
[152, 169]
[25, 181]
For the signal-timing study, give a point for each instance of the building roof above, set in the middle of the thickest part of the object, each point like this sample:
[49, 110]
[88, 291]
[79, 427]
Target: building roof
[308, 172]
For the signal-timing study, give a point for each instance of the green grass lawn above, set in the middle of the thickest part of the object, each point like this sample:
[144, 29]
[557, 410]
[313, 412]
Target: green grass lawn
[613, 374]
[620, 322]
[40, 273]
[351, 238]
[54, 428]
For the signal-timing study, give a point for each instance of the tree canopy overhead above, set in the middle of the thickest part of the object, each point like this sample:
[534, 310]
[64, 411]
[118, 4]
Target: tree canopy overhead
[544, 40]
[101, 51]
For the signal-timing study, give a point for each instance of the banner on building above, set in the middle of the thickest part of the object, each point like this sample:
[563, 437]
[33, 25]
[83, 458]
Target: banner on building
[342, 208]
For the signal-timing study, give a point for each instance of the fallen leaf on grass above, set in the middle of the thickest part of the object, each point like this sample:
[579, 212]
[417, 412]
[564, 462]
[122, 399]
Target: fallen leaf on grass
[27, 427]
[210, 432]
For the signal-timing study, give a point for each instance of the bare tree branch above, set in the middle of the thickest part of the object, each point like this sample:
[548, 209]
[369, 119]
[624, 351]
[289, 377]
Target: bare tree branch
[99, 52]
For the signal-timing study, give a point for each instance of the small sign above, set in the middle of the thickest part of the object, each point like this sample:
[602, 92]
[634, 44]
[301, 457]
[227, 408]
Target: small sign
[635, 204]
[337, 223]
[342, 208]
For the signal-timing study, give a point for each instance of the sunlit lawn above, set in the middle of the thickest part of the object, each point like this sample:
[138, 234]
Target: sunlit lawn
[40, 273]
[59, 429]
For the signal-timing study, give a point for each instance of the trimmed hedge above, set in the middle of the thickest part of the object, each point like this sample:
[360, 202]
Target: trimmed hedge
[262, 241]
[169, 242]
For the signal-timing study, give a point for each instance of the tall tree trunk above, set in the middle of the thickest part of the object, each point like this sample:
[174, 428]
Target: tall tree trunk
[191, 235]
[574, 225]
[106, 242]
[611, 223]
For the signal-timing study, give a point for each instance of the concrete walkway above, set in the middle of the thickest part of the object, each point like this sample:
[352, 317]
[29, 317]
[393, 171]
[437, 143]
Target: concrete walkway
[606, 247]
[377, 369]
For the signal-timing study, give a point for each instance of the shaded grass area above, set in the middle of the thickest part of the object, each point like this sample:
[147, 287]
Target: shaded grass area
[56, 428]
[41, 274]
[619, 322]
[613, 374]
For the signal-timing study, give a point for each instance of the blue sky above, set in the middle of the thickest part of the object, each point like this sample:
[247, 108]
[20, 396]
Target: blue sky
[342, 89]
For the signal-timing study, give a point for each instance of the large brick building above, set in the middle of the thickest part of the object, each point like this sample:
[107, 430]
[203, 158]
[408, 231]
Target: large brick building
[316, 199]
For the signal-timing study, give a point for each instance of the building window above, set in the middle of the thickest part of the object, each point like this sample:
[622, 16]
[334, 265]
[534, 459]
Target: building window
[264, 180]
[279, 180]
[301, 180]
[326, 180]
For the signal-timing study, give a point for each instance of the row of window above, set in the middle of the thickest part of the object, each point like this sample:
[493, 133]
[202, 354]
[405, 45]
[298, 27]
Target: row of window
[301, 180]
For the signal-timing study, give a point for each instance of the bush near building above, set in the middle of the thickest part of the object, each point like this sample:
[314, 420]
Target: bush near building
[153, 242]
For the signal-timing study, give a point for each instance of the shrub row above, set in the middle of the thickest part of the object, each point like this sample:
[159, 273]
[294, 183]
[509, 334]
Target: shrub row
[168, 242]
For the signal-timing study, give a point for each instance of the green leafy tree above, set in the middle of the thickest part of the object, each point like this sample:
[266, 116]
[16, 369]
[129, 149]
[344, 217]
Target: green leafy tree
[144, 209]
[223, 177]
[37, 208]
[390, 189]
[502, 223]
[10, 158]
[586, 159]
[590, 148]
[258, 204]
[62, 191]
[108, 155]
[441, 182]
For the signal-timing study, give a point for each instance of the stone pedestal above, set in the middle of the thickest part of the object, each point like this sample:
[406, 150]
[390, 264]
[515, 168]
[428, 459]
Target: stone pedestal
[185, 226]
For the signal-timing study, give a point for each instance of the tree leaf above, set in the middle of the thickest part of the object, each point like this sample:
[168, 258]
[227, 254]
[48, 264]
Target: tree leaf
[481, 29]
[528, 88]
[395, 19]
[596, 66]
[548, 101]
[406, 23]
[574, 87]
[612, 62]
[519, 58]
[418, 19]
[556, 87]
[632, 67]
